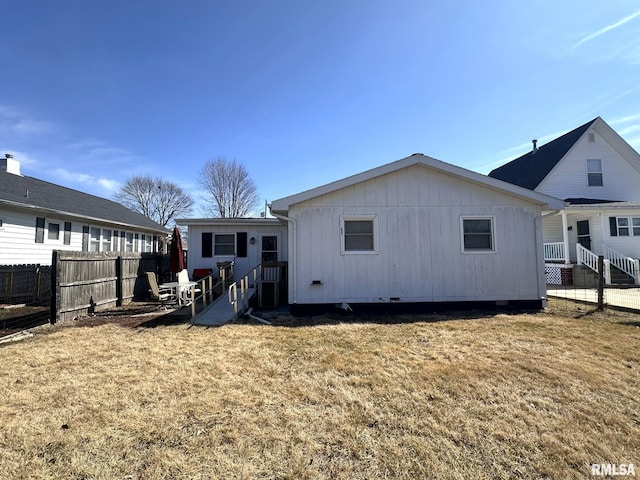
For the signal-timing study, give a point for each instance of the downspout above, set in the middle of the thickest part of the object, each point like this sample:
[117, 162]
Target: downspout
[292, 254]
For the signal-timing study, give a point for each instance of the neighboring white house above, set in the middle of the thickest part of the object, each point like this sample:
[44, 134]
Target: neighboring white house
[37, 217]
[415, 230]
[598, 174]
[245, 241]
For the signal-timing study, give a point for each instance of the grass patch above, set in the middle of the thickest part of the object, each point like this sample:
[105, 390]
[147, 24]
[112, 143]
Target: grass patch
[501, 396]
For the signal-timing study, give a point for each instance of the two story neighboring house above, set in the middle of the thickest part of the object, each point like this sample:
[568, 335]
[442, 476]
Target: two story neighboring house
[597, 174]
[37, 217]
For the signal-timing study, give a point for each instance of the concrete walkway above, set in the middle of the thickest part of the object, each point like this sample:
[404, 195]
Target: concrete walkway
[613, 297]
[221, 311]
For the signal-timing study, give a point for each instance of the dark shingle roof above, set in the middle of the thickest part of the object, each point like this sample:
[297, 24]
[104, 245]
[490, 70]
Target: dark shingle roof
[31, 192]
[531, 168]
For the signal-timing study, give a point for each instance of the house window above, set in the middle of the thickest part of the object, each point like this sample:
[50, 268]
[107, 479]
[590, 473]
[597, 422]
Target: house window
[594, 172]
[106, 240]
[624, 226]
[54, 231]
[224, 244]
[478, 234]
[136, 242]
[146, 243]
[1, 223]
[94, 241]
[128, 245]
[67, 233]
[359, 234]
[592, 138]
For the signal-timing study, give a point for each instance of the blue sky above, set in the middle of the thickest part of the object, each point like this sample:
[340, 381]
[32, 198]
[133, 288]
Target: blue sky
[304, 92]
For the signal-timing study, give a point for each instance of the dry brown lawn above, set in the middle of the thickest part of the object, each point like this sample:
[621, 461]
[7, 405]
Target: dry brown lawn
[485, 396]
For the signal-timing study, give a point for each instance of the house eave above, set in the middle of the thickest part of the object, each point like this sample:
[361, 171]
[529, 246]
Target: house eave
[61, 213]
[228, 221]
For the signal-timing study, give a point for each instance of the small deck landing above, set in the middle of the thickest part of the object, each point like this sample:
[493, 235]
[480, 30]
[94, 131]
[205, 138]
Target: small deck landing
[221, 311]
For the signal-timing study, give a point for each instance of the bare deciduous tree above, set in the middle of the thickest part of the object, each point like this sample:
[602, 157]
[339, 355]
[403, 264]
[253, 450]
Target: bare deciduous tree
[230, 191]
[155, 198]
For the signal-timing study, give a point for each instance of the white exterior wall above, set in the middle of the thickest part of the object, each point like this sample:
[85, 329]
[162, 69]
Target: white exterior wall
[242, 265]
[18, 232]
[419, 256]
[569, 177]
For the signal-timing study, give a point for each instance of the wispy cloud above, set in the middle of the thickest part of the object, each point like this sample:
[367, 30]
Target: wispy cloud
[606, 29]
[86, 179]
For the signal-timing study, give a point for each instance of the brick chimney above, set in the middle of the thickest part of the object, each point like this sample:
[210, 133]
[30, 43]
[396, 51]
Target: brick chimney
[9, 165]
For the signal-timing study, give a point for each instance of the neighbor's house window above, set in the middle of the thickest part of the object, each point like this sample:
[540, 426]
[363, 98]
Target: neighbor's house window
[594, 172]
[40, 229]
[94, 241]
[106, 240]
[478, 234]
[359, 234]
[147, 245]
[624, 226]
[224, 244]
[67, 233]
[128, 246]
[54, 231]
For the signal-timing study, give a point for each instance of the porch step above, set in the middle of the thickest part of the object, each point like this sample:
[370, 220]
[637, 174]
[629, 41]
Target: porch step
[618, 277]
[583, 276]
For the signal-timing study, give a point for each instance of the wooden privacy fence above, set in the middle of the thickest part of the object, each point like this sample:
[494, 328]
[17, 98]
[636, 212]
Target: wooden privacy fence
[25, 284]
[87, 282]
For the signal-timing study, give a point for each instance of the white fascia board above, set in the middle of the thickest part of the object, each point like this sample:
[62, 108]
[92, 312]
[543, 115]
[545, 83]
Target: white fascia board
[228, 221]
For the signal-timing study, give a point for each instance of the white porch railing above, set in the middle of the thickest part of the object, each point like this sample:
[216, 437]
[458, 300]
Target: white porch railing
[554, 252]
[586, 257]
[630, 266]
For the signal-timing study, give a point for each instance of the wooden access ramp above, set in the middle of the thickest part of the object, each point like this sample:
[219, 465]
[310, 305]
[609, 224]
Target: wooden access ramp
[232, 306]
[221, 311]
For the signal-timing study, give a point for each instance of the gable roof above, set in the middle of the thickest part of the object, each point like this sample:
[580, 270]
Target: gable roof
[531, 168]
[31, 193]
[281, 206]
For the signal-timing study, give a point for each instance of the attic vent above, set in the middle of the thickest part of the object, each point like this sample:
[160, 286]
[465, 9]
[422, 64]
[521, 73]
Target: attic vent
[592, 138]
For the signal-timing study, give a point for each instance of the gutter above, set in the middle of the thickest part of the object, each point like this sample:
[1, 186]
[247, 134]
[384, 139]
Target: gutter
[292, 253]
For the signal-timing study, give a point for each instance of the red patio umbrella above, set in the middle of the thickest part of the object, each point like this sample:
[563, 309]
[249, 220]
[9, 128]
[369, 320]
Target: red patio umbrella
[176, 258]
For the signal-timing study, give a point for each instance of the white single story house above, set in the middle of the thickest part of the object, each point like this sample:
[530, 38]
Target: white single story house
[38, 217]
[417, 230]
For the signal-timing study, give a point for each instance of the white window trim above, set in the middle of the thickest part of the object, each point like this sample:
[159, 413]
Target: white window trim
[629, 225]
[494, 246]
[356, 218]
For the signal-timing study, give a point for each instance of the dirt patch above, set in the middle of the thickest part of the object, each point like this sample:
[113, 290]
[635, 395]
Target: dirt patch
[14, 318]
[133, 315]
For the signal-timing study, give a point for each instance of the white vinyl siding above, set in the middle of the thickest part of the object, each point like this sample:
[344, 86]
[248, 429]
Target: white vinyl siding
[568, 179]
